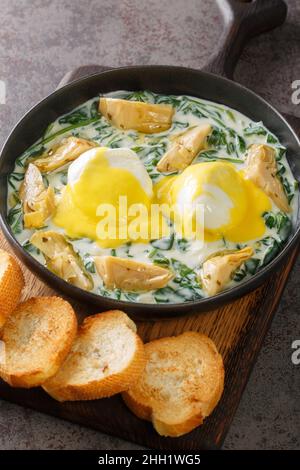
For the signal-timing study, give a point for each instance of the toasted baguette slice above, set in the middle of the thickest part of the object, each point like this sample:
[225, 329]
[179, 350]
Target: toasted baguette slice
[107, 357]
[37, 337]
[11, 285]
[182, 382]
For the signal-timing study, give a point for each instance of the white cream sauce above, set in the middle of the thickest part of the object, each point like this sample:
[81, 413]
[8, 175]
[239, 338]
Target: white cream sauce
[189, 111]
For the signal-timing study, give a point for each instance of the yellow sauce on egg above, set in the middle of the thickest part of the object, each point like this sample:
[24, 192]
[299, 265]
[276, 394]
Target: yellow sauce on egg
[99, 185]
[233, 206]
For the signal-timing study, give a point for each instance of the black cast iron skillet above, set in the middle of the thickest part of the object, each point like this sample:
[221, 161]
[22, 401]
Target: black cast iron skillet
[242, 20]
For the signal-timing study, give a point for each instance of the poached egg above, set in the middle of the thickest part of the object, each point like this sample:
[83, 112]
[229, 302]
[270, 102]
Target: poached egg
[231, 205]
[96, 180]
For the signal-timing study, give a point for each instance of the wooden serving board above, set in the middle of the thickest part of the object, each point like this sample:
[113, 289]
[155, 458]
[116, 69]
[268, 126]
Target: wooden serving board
[238, 330]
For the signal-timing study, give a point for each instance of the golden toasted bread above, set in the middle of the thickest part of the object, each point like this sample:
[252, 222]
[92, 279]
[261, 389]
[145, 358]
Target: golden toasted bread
[107, 357]
[37, 337]
[181, 384]
[11, 285]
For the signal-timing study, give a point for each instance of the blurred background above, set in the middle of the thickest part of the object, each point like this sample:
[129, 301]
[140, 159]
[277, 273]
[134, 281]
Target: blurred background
[41, 40]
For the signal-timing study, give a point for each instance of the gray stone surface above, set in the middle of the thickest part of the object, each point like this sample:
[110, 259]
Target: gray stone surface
[40, 40]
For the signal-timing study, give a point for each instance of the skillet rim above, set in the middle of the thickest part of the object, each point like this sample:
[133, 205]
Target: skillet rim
[203, 304]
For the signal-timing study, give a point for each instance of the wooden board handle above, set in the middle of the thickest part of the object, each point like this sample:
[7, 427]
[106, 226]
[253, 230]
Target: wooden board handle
[242, 20]
[80, 72]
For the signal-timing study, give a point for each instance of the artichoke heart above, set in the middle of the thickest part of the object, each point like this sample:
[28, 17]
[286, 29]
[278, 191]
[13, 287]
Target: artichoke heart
[185, 148]
[217, 270]
[66, 151]
[62, 259]
[262, 170]
[38, 201]
[143, 117]
[130, 275]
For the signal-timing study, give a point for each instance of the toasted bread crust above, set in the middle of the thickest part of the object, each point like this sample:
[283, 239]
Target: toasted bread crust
[137, 406]
[115, 383]
[62, 331]
[145, 401]
[179, 429]
[11, 285]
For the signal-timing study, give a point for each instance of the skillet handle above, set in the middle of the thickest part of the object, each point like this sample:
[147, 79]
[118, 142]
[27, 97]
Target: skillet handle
[243, 19]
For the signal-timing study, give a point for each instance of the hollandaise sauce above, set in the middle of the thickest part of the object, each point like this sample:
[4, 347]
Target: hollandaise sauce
[90, 161]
